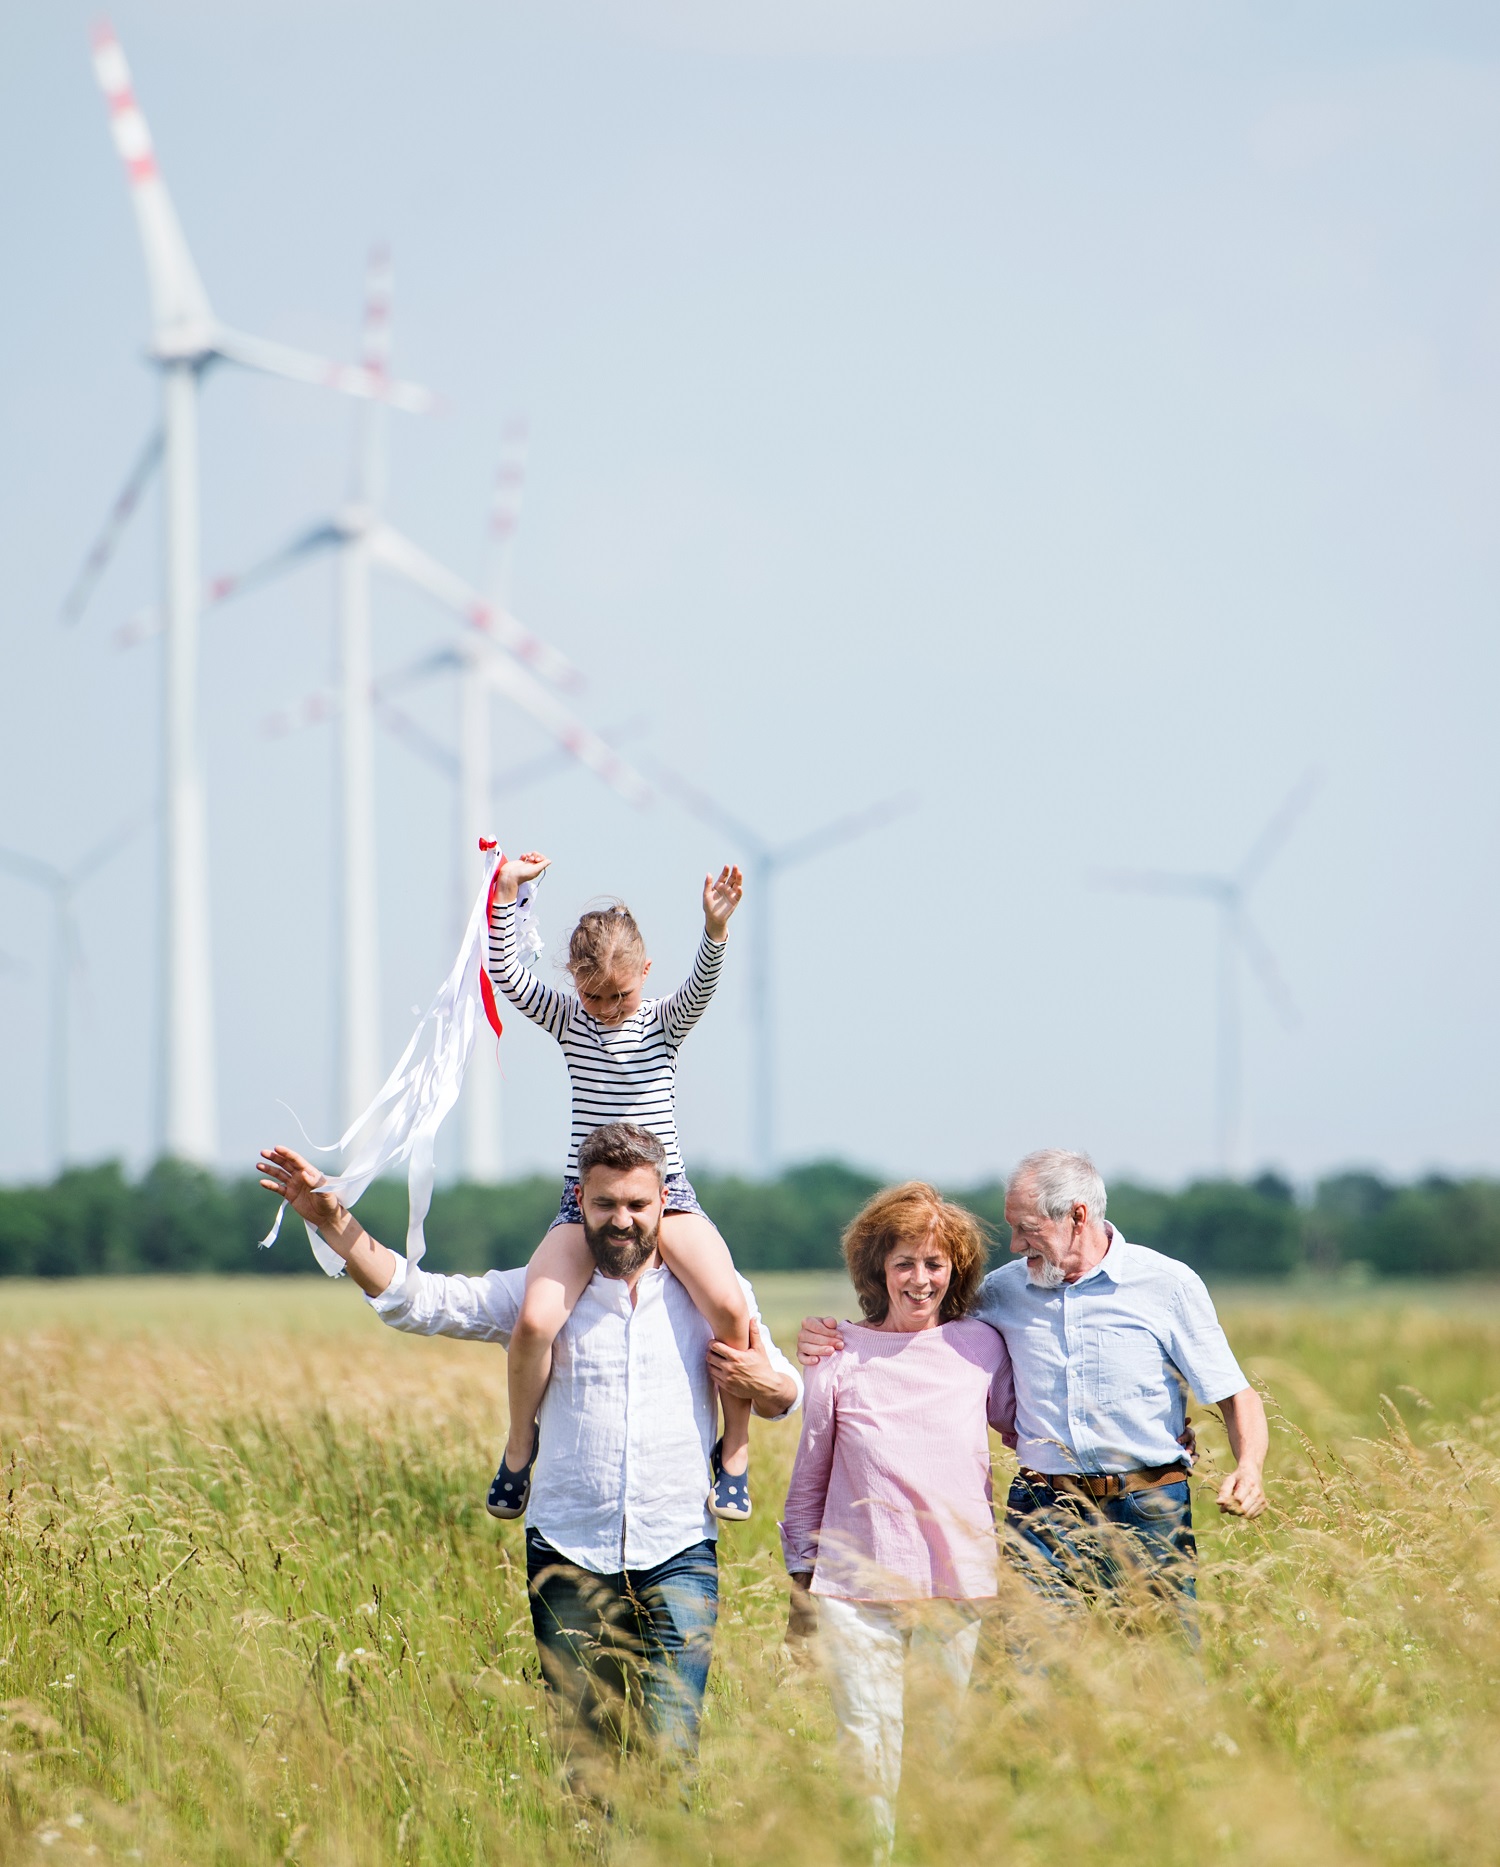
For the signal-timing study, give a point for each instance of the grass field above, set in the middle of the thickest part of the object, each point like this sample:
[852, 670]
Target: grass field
[251, 1609]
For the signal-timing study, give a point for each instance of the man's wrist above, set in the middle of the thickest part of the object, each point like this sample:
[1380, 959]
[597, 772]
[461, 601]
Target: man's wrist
[774, 1396]
[340, 1231]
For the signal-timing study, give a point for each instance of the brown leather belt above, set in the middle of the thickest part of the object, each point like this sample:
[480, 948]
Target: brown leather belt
[1105, 1484]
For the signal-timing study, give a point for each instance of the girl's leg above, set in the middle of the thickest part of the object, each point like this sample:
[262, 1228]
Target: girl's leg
[698, 1258]
[556, 1278]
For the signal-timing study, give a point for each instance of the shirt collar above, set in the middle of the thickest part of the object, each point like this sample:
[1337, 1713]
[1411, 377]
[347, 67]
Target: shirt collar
[1113, 1264]
[616, 1292]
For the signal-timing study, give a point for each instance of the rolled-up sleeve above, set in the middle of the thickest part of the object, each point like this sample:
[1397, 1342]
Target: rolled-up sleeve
[1000, 1406]
[475, 1309]
[1197, 1344]
[807, 1494]
[778, 1361]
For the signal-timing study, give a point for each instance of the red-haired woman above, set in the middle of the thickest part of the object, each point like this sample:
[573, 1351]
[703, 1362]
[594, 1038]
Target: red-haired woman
[888, 1520]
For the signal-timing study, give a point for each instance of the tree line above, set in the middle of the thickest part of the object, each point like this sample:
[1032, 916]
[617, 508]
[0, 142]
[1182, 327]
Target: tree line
[94, 1221]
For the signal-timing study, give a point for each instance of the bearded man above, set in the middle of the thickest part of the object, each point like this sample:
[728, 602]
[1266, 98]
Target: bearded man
[620, 1544]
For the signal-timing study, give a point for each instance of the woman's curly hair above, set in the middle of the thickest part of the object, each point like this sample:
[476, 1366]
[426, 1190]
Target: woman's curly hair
[914, 1214]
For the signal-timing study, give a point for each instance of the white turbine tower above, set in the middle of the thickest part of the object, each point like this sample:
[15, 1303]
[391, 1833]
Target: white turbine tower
[186, 340]
[764, 863]
[1237, 937]
[61, 888]
[356, 995]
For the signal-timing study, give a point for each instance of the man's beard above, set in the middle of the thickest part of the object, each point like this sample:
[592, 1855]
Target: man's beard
[618, 1257]
[1045, 1275]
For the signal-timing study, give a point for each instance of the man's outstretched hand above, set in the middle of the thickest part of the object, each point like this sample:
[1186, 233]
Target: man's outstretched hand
[301, 1185]
[298, 1182]
[721, 896]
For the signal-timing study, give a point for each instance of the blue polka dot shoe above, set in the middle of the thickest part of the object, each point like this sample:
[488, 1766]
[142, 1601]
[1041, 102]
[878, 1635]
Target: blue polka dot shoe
[509, 1491]
[730, 1497]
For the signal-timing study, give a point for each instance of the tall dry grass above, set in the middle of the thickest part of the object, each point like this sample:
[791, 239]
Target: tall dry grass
[251, 1610]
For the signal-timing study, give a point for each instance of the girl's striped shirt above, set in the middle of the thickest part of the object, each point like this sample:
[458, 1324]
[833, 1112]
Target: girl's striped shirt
[625, 1072]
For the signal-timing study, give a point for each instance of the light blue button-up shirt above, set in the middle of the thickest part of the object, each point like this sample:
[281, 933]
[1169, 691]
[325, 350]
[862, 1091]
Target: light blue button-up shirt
[1100, 1365]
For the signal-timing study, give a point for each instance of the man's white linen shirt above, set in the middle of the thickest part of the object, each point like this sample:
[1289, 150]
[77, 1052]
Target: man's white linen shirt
[1097, 1362]
[628, 1419]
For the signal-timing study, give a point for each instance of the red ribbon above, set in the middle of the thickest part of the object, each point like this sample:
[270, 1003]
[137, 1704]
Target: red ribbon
[486, 990]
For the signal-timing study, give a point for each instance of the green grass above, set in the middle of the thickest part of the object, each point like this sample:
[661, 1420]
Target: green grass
[251, 1609]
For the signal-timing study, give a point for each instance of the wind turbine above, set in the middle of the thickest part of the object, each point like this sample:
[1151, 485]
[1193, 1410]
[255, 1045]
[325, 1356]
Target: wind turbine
[187, 339]
[1237, 937]
[502, 656]
[61, 887]
[764, 863]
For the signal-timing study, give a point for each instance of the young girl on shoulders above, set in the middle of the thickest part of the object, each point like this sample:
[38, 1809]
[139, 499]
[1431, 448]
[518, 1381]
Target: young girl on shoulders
[621, 1051]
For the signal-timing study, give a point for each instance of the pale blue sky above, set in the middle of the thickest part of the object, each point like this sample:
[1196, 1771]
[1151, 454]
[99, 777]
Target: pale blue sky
[1085, 414]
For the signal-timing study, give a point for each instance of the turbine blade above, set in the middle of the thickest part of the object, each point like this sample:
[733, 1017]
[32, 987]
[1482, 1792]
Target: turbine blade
[141, 627]
[547, 764]
[1162, 882]
[178, 301]
[115, 844]
[103, 549]
[257, 353]
[400, 724]
[399, 555]
[505, 510]
[327, 536]
[705, 808]
[312, 711]
[1280, 827]
[443, 661]
[843, 830]
[507, 678]
[379, 288]
[28, 869]
[147, 622]
[369, 457]
[1266, 970]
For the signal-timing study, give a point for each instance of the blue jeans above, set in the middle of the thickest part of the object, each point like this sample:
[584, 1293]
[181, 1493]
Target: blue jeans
[1067, 1546]
[606, 1641]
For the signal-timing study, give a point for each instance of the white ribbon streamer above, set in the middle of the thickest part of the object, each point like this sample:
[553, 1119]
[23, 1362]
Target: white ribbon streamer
[403, 1120]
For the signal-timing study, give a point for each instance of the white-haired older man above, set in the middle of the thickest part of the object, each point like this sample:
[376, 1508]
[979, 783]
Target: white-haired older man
[1105, 1337]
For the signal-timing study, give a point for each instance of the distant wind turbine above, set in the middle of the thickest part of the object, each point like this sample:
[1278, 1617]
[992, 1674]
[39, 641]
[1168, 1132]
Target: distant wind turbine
[764, 863]
[186, 341]
[1237, 938]
[61, 887]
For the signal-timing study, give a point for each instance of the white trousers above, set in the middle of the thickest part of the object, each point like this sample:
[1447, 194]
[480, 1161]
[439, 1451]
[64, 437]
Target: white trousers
[871, 1652]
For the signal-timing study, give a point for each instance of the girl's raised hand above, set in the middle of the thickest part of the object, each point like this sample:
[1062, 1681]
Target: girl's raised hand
[720, 899]
[517, 869]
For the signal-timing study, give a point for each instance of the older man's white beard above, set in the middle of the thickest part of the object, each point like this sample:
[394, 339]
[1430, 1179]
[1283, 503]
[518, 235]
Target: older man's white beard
[1044, 1274]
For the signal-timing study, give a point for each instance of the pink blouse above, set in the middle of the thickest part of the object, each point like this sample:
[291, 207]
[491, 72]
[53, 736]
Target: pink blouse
[890, 1493]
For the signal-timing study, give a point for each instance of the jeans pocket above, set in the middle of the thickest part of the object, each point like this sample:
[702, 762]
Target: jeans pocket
[1163, 1507]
